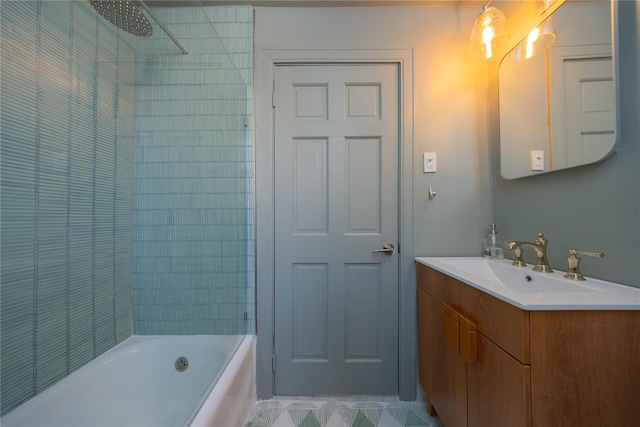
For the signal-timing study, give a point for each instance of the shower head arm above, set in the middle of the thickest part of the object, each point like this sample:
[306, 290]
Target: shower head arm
[161, 25]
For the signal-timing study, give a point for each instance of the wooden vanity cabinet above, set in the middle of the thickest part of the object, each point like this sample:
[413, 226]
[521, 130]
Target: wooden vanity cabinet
[481, 386]
[484, 362]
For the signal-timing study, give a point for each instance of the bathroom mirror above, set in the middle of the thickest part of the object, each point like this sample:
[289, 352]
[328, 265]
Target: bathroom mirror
[558, 108]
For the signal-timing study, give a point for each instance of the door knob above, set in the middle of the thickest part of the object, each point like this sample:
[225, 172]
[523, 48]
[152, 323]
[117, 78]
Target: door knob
[387, 249]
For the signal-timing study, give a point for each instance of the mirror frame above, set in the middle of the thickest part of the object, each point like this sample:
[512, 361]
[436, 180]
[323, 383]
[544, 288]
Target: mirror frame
[616, 85]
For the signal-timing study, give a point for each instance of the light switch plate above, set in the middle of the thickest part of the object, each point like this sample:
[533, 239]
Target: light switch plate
[430, 162]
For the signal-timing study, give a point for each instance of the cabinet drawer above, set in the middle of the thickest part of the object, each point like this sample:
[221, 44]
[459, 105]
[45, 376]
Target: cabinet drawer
[503, 323]
[442, 288]
[430, 281]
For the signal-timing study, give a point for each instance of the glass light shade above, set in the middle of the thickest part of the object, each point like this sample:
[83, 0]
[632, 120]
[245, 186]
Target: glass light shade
[490, 24]
[538, 40]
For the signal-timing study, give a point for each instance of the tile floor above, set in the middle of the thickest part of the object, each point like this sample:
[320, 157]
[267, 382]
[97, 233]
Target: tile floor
[347, 412]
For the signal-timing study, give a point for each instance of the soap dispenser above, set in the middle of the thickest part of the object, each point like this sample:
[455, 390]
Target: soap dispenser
[491, 247]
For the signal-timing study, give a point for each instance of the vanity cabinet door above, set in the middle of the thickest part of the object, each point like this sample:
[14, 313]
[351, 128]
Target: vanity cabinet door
[499, 388]
[442, 372]
[586, 368]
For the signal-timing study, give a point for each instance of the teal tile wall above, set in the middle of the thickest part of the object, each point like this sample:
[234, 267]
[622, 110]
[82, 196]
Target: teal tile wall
[67, 91]
[193, 263]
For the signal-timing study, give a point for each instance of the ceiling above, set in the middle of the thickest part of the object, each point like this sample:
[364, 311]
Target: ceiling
[309, 3]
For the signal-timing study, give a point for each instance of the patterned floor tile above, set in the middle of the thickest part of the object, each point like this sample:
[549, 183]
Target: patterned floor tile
[336, 421]
[310, 420]
[340, 413]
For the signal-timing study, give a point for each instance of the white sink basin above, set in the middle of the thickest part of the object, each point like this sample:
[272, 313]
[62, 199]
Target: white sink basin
[533, 290]
[521, 279]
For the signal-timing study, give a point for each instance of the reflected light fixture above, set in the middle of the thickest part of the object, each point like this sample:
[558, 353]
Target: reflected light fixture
[490, 24]
[538, 40]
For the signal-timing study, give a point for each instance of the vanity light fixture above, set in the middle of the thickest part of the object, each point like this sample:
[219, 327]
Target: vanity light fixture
[538, 40]
[490, 24]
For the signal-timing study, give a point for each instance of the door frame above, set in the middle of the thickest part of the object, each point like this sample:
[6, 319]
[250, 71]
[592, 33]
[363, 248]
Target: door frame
[265, 62]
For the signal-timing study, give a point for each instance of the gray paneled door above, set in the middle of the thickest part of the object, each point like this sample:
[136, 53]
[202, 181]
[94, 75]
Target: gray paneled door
[336, 198]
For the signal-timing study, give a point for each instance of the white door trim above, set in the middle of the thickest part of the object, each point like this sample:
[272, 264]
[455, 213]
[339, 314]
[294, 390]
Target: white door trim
[265, 62]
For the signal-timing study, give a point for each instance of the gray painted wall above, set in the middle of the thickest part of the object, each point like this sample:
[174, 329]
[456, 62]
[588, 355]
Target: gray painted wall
[449, 117]
[594, 207]
[449, 105]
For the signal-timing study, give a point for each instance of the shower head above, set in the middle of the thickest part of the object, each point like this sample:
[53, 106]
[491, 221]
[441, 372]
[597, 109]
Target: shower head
[124, 15]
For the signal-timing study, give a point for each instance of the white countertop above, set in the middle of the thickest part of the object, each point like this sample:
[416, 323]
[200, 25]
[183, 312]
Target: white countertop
[535, 291]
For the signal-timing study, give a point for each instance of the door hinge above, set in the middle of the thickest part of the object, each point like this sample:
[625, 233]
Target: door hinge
[273, 99]
[273, 363]
[245, 316]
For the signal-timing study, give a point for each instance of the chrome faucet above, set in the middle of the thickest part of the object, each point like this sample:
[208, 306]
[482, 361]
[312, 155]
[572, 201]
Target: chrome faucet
[540, 246]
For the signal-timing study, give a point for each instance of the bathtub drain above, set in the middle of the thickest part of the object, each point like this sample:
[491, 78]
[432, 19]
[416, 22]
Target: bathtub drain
[182, 363]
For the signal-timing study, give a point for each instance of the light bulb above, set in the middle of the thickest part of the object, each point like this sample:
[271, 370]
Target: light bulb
[487, 36]
[533, 36]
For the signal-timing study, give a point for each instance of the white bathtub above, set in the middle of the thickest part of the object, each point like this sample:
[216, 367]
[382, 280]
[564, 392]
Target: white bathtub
[136, 384]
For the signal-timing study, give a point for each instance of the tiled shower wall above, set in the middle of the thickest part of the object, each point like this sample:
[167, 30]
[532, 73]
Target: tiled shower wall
[193, 262]
[66, 108]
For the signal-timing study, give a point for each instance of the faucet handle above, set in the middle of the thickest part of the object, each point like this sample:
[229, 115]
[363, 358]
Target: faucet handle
[540, 240]
[518, 261]
[593, 254]
[574, 263]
